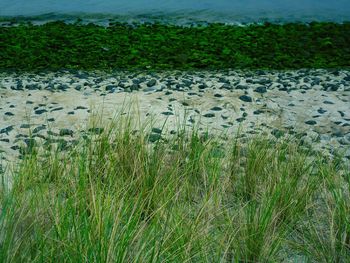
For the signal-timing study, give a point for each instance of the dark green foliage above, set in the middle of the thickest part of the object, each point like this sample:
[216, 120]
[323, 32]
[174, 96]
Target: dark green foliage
[59, 45]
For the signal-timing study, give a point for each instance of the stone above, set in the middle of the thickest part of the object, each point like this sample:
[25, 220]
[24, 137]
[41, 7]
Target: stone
[242, 87]
[245, 98]
[39, 112]
[216, 108]
[151, 83]
[134, 87]
[153, 137]
[110, 88]
[167, 113]
[277, 133]
[209, 115]
[321, 111]
[257, 112]
[261, 89]
[328, 102]
[57, 109]
[80, 108]
[157, 130]
[15, 147]
[39, 128]
[311, 122]
[6, 130]
[96, 130]
[226, 86]
[66, 132]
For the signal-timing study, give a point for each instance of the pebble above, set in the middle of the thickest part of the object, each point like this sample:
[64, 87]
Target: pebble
[209, 115]
[245, 98]
[261, 89]
[66, 132]
[311, 122]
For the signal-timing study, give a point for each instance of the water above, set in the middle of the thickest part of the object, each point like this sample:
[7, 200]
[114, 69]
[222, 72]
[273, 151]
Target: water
[227, 11]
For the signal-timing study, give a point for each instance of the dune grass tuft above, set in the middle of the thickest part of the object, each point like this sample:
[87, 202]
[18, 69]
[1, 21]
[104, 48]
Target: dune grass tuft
[116, 197]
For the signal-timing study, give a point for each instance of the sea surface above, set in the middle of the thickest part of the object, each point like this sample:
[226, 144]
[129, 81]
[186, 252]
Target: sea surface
[180, 11]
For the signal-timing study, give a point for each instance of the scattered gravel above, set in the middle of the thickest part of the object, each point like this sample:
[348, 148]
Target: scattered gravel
[54, 107]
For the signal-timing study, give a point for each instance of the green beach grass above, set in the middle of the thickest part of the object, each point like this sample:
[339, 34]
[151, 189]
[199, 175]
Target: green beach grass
[57, 45]
[115, 197]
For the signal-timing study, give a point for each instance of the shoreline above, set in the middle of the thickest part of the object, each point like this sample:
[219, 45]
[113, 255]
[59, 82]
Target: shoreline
[311, 105]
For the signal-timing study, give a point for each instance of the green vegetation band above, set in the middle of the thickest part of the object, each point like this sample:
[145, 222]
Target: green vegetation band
[58, 45]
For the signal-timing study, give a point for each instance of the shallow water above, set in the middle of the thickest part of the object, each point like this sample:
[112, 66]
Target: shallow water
[173, 10]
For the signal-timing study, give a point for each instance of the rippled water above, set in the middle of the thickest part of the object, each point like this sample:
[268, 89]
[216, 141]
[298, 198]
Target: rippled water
[197, 10]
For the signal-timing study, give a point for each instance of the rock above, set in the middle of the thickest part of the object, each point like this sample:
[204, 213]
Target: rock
[277, 133]
[66, 132]
[226, 86]
[151, 89]
[257, 112]
[134, 87]
[216, 108]
[151, 83]
[202, 86]
[32, 87]
[167, 113]
[283, 88]
[263, 81]
[62, 145]
[333, 87]
[157, 130]
[321, 111]
[328, 102]
[80, 108]
[342, 114]
[110, 88]
[347, 78]
[343, 141]
[39, 128]
[41, 111]
[96, 130]
[15, 147]
[57, 109]
[30, 142]
[261, 89]
[209, 115]
[51, 133]
[153, 137]
[245, 98]
[311, 122]
[6, 130]
[63, 87]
